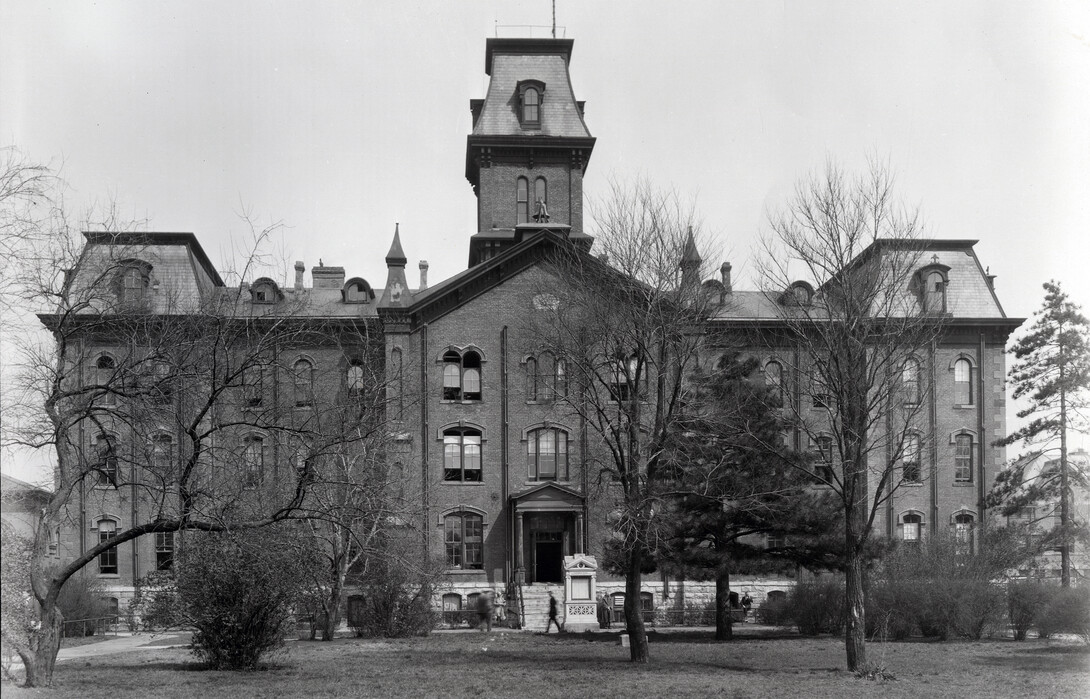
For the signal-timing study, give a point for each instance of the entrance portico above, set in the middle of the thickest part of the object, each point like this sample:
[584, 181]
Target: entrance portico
[549, 525]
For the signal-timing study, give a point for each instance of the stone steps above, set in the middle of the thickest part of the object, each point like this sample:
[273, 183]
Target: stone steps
[535, 605]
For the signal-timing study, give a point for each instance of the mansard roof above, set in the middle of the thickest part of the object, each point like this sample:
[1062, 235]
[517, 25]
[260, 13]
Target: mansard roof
[511, 61]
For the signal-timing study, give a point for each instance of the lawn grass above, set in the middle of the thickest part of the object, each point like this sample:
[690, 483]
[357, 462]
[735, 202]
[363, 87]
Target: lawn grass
[591, 665]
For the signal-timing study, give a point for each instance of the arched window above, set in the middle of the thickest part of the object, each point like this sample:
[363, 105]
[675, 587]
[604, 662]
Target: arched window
[561, 379]
[106, 462]
[824, 446]
[162, 380]
[910, 460]
[253, 386]
[531, 107]
[910, 380]
[105, 369]
[303, 375]
[462, 455]
[541, 200]
[547, 454]
[461, 376]
[963, 532]
[522, 200]
[625, 379]
[164, 550]
[354, 377]
[357, 290]
[911, 528]
[533, 387]
[934, 292]
[397, 367]
[647, 606]
[963, 458]
[774, 380]
[464, 536]
[133, 279]
[162, 458]
[112, 609]
[963, 382]
[253, 461]
[107, 560]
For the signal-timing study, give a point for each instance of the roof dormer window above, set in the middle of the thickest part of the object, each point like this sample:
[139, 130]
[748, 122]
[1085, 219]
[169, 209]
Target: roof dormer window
[931, 283]
[357, 290]
[531, 95]
[265, 290]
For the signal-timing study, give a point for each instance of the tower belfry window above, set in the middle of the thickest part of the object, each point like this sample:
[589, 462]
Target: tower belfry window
[531, 106]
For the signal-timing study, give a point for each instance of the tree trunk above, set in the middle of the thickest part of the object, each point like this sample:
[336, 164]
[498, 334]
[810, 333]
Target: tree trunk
[45, 644]
[855, 637]
[637, 637]
[1065, 511]
[724, 628]
[333, 609]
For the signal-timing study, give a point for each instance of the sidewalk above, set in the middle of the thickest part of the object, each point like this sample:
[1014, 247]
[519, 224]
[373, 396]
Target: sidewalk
[124, 642]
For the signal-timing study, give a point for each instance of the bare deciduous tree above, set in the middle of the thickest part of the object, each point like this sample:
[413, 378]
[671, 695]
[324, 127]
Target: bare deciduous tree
[626, 326]
[853, 341]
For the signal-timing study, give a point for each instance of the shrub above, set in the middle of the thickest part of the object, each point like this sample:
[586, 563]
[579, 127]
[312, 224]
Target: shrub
[155, 602]
[817, 607]
[1025, 601]
[1067, 611]
[773, 612]
[237, 591]
[891, 610]
[82, 597]
[979, 605]
[397, 603]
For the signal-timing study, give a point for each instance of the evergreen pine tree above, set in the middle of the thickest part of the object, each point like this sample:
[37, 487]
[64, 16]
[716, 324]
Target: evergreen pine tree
[1052, 370]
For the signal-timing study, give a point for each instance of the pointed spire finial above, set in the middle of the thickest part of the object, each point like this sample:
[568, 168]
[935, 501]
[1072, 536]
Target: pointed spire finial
[396, 256]
[690, 254]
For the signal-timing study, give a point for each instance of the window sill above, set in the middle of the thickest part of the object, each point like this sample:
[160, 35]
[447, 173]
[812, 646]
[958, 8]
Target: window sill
[530, 483]
[463, 571]
[110, 576]
[446, 482]
[912, 484]
[963, 484]
[963, 406]
[460, 402]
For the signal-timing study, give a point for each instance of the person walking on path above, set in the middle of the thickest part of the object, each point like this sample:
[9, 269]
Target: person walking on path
[552, 616]
[484, 611]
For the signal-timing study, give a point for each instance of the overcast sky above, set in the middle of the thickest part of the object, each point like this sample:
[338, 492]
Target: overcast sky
[341, 118]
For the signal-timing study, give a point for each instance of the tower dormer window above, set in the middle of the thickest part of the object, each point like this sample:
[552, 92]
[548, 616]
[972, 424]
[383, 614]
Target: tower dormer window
[931, 283]
[265, 290]
[531, 93]
[522, 200]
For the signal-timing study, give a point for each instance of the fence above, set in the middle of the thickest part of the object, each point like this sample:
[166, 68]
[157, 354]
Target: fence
[98, 626]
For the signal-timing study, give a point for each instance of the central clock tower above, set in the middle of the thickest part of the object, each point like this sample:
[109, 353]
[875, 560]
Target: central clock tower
[529, 148]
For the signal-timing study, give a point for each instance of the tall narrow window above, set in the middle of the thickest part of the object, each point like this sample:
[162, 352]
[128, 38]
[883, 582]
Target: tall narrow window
[462, 456]
[105, 369]
[541, 201]
[561, 379]
[910, 461]
[547, 454]
[774, 380]
[963, 532]
[934, 292]
[531, 106]
[164, 550]
[625, 381]
[162, 458]
[819, 394]
[463, 533]
[397, 367]
[532, 379]
[303, 372]
[107, 560]
[911, 526]
[910, 380]
[522, 200]
[825, 458]
[354, 377]
[253, 386]
[963, 382]
[253, 461]
[106, 462]
[963, 458]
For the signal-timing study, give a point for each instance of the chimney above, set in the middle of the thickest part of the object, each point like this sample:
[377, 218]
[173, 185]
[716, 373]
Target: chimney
[299, 269]
[327, 277]
[725, 272]
[423, 274]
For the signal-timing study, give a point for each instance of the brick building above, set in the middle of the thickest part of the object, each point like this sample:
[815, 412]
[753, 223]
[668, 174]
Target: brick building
[498, 463]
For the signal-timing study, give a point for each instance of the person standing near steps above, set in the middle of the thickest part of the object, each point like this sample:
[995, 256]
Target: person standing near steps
[552, 615]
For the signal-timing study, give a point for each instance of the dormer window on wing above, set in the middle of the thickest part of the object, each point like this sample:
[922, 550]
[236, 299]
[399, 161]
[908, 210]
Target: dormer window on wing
[800, 293]
[132, 282]
[357, 290]
[531, 95]
[931, 282]
[265, 290]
